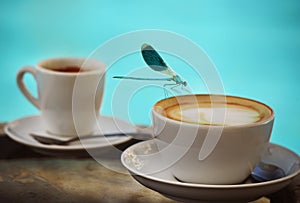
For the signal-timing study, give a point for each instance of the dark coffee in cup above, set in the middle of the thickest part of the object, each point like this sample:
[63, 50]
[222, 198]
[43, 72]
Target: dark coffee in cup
[69, 69]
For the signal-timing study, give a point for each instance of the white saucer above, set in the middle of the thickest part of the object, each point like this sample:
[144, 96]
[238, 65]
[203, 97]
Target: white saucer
[19, 130]
[136, 160]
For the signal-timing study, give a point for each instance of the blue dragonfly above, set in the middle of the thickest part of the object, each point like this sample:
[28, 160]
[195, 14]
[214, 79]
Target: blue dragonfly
[156, 63]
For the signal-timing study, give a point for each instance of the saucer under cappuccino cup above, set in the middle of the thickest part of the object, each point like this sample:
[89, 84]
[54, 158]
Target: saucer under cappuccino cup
[69, 93]
[212, 139]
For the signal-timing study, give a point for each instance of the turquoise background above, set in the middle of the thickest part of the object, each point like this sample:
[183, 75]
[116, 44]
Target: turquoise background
[255, 46]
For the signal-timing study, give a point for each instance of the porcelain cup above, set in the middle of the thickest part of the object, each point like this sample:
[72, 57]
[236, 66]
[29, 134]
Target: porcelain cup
[221, 148]
[69, 93]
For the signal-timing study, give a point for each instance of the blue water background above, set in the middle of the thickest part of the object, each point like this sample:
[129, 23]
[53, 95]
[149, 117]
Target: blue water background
[255, 46]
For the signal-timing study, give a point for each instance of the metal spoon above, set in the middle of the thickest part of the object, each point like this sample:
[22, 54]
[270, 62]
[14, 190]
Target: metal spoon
[267, 172]
[45, 139]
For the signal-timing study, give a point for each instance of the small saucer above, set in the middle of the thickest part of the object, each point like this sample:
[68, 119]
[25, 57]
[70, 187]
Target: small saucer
[20, 129]
[136, 160]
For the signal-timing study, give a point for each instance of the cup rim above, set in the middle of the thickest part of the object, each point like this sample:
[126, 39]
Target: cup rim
[265, 121]
[41, 67]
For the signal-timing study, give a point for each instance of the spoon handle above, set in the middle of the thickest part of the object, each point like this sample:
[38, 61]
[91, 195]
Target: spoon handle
[46, 139]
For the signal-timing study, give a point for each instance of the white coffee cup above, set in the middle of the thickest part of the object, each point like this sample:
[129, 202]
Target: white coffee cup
[212, 139]
[57, 79]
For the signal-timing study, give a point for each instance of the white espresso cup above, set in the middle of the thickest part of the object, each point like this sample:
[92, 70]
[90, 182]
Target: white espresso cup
[212, 139]
[70, 93]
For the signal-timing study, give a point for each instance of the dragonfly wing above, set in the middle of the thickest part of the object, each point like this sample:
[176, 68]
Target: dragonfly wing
[155, 61]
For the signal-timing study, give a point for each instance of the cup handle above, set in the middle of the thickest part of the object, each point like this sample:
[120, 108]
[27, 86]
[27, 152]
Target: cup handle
[22, 86]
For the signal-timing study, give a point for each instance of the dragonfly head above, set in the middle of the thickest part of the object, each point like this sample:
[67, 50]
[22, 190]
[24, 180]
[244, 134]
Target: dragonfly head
[184, 83]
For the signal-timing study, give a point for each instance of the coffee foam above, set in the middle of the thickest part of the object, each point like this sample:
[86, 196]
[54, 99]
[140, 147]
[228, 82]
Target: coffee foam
[215, 110]
[219, 115]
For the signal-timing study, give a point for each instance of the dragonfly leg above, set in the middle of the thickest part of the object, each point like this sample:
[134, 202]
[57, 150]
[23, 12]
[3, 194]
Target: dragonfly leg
[165, 85]
[165, 89]
[166, 93]
[183, 88]
[176, 85]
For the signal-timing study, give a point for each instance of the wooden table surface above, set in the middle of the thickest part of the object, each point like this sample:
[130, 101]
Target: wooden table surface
[27, 176]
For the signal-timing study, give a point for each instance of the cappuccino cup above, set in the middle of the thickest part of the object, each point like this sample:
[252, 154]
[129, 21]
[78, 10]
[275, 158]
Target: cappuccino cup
[69, 93]
[212, 139]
